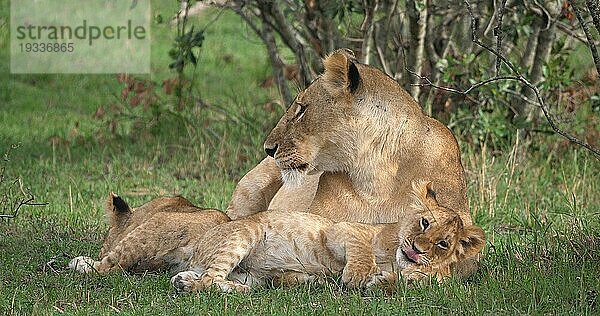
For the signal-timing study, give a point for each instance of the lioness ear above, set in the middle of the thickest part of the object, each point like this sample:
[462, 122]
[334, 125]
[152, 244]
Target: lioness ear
[424, 193]
[472, 241]
[116, 209]
[341, 73]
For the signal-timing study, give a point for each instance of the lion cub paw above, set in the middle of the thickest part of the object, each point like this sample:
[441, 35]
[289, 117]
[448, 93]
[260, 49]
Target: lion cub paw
[384, 277]
[188, 281]
[231, 286]
[83, 264]
[359, 277]
[414, 276]
[185, 281]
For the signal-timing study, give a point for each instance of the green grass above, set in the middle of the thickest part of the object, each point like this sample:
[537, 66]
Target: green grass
[541, 214]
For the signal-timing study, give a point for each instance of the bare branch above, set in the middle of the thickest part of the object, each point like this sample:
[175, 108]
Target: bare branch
[20, 203]
[569, 31]
[521, 96]
[469, 89]
[588, 35]
[7, 199]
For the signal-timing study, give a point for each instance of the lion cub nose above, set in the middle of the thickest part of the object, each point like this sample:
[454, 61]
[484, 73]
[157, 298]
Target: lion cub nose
[415, 247]
[271, 151]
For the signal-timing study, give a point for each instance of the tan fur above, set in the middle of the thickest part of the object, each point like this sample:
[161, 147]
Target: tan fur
[151, 237]
[295, 247]
[352, 154]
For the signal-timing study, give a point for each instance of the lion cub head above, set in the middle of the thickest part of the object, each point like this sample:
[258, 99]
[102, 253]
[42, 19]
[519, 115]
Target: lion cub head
[123, 218]
[437, 239]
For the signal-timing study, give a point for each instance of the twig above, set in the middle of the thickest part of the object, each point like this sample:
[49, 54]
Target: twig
[521, 96]
[19, 204]
[563, 27]
[517, 76]
[525, 82]
[588, 35]
[466, 91]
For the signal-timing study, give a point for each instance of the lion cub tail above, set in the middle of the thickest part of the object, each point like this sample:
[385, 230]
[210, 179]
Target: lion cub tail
[117, 210]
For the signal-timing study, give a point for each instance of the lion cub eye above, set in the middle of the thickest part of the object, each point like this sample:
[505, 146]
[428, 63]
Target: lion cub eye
[443, 244]
[300, 110]
[424, 223]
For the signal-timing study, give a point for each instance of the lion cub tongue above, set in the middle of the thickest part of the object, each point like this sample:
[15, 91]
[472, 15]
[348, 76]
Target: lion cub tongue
[411, 254]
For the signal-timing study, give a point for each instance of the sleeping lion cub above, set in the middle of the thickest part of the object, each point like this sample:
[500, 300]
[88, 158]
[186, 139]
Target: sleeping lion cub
[295, 247]
[151, 237]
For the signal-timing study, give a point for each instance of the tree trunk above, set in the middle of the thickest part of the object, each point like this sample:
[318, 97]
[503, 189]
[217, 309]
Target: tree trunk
[416, 50]
[529, 53]
[594, 9]
[542, 53]
[277, 65]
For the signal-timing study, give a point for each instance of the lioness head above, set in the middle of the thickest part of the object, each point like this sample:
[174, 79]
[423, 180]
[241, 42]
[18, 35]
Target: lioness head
[437, 239]
[327, 122]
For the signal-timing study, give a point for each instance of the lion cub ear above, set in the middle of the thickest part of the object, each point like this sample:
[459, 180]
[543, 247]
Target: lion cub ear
[117, 209]
[471, 241]
[424, 195]
[341, 73]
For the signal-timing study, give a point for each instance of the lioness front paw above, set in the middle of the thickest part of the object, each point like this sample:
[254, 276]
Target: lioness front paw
[359, 277]
[185, 281]
[83, 264]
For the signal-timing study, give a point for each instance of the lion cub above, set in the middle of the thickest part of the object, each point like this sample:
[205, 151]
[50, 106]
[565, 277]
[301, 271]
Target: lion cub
[295, 247]
[151, 237]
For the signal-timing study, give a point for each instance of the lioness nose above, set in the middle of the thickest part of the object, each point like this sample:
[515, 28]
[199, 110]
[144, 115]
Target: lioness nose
[271, 151]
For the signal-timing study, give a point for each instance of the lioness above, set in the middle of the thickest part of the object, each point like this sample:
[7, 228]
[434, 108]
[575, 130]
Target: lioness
[151, 237]
[294, 247]
[359, 140]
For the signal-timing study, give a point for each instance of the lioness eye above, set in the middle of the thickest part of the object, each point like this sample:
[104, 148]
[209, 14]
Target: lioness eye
[443, 244]
[424, 223]
[300, 111]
